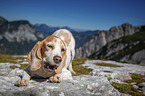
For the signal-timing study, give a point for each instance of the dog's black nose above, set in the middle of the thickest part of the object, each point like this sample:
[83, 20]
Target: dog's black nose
[57, 59]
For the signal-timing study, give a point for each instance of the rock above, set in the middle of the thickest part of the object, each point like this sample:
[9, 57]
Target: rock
[95, 84]
[123, 76]
[143, 90]
[141, 84]
[135, 86]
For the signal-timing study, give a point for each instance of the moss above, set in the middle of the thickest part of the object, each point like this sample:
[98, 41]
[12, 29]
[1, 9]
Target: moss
[108, 65]
[127, 88]
[80, 70]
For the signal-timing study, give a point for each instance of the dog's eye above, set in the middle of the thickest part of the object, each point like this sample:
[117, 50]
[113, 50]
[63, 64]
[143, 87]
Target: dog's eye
[50, 46]
[62, 49]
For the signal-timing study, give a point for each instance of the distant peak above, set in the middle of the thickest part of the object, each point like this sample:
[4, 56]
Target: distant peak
[21, 22]
[2, 20]
[124, 25]
[127, 24]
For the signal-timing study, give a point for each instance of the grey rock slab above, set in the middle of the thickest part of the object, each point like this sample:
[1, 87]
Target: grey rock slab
[95, 84]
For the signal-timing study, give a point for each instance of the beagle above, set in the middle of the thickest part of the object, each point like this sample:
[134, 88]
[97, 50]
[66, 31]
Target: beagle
[49, 57]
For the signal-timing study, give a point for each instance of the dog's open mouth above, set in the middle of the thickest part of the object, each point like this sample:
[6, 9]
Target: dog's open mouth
[49, 67]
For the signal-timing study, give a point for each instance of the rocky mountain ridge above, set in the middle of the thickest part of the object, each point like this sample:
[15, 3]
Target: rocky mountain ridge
[17, 36]
[103, 38]
[129, 48]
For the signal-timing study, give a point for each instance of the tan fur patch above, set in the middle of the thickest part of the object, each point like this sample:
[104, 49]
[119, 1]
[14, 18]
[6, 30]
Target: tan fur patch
[67, 39]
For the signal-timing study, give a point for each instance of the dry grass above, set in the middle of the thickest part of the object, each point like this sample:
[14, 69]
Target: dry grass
[107, 71]
[107, 65]
[23, 66]
[128, 88]
[15, 59]
[138, 78]
[80, 70]
[11, 59]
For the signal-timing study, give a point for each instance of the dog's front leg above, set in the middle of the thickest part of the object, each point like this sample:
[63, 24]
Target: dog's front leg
[24, 81]
[55, 78]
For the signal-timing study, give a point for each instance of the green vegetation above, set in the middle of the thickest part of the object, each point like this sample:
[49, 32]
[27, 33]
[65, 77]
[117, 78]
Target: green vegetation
[108, 65]
[80, 70]
[128, 88]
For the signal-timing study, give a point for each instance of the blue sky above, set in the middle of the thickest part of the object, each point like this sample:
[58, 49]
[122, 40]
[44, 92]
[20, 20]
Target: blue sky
[82, 14]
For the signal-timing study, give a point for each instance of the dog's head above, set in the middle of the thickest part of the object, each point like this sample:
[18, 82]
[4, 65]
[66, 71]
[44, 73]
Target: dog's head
[49, 54]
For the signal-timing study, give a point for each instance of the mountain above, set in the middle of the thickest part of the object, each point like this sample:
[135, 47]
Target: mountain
[129, 48]
[80, 36]
[17, 37]
[96, 46]
[48, 30]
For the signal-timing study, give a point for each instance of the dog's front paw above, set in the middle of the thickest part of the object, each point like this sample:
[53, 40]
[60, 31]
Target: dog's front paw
[22, 82]
[55, 78]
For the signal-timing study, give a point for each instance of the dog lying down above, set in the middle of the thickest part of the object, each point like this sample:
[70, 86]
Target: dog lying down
[50, 58]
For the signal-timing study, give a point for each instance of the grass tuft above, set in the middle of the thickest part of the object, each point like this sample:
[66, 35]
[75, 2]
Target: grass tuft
[107, 65]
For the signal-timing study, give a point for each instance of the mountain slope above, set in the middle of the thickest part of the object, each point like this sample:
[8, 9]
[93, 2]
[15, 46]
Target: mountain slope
[103, 37]
[129, 48]
[17, 37]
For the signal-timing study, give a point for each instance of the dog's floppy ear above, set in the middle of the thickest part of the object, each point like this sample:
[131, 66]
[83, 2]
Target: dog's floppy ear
[35, 56]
